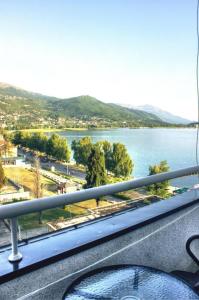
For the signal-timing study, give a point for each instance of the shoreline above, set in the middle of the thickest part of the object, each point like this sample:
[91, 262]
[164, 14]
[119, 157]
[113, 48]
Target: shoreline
[48, 129]
[86, 129]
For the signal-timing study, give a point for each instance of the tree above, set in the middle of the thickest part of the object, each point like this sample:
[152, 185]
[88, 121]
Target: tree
[62, 150]
[122, 164]
[81, 150]
[22, 138]
[96, 172]
[17, 138]
[6, 135]
[37, 184]
[38, 141]
[160, 188]
[7, 147]
[107, 148]
[2, 176]
[58, 148]
[55, 146]
[51, 144]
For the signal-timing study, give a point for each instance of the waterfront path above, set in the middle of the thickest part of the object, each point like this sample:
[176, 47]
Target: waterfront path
[60, 167]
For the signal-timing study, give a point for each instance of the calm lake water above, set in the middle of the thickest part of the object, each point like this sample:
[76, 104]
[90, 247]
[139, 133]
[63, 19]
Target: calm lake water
[149, 146]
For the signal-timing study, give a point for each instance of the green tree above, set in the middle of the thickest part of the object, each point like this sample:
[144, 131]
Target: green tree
[38, 141]
[96, 172]
[58, 148]
[160, 188]
[81, 150]
[55, 146]
[122, 164]
[6, 135]
[17, 138]
[22, 138]
[2, 176]
[107, 148]
[26, 139]
[62, 150]
[37, 184]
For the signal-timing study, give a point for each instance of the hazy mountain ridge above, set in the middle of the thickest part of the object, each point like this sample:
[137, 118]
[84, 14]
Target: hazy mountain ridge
[165, 116]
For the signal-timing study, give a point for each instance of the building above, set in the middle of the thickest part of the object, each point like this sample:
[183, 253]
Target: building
[9, 154]
[13, 161]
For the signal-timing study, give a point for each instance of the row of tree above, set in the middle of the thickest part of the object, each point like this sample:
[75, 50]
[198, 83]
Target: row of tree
[115, 156]
[100, 158]
[104, 157]
[96, 173]
[54, 146]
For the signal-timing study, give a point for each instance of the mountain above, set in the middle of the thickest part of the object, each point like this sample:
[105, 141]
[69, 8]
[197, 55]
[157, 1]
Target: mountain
[162, 114]
[87, 106]
[22, 108]
[13, 92]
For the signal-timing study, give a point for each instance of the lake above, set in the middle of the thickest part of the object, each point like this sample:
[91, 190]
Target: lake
[150, 146]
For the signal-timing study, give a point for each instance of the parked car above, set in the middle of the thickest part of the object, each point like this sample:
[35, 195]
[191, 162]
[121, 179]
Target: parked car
[44, 159]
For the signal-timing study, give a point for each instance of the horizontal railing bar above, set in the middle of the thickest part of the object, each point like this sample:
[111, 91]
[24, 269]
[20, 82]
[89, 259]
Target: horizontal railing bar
[36, 205]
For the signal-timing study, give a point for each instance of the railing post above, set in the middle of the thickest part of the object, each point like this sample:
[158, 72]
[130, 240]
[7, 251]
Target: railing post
[15, 255]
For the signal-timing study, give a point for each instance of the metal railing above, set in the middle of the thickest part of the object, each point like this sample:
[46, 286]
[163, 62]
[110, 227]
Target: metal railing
[14, 210]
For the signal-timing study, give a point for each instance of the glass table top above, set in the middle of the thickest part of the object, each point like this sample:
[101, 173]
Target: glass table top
[129, 283]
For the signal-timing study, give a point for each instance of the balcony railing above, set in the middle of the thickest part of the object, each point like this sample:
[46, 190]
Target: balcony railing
[14, 210]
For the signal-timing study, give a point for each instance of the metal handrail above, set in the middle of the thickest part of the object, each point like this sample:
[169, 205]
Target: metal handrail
[36, 205]
[14, 210]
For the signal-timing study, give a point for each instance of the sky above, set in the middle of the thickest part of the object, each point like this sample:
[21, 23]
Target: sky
[123, 51]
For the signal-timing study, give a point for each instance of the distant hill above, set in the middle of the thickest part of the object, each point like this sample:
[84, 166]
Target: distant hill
[31, 108]
[162, 114]
[87, 106]
[11, 91]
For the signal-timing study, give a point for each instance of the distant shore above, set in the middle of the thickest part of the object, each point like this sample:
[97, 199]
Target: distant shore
[99, 128]
[49, 129]
[63, 129]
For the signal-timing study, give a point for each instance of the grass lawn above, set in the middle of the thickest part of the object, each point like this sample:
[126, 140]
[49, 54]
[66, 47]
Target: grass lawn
[92, 203]
[128, 195]
[25, 178]
[31, 220]
[82, 207]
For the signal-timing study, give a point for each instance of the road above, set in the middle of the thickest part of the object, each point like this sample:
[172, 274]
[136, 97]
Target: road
[57, 165]
[63, 168]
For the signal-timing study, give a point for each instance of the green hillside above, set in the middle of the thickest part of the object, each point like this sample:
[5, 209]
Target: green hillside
[86, 106]
[13, 92]
[22, 108]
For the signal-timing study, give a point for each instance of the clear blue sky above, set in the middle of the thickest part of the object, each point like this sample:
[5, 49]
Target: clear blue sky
[124, 51]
